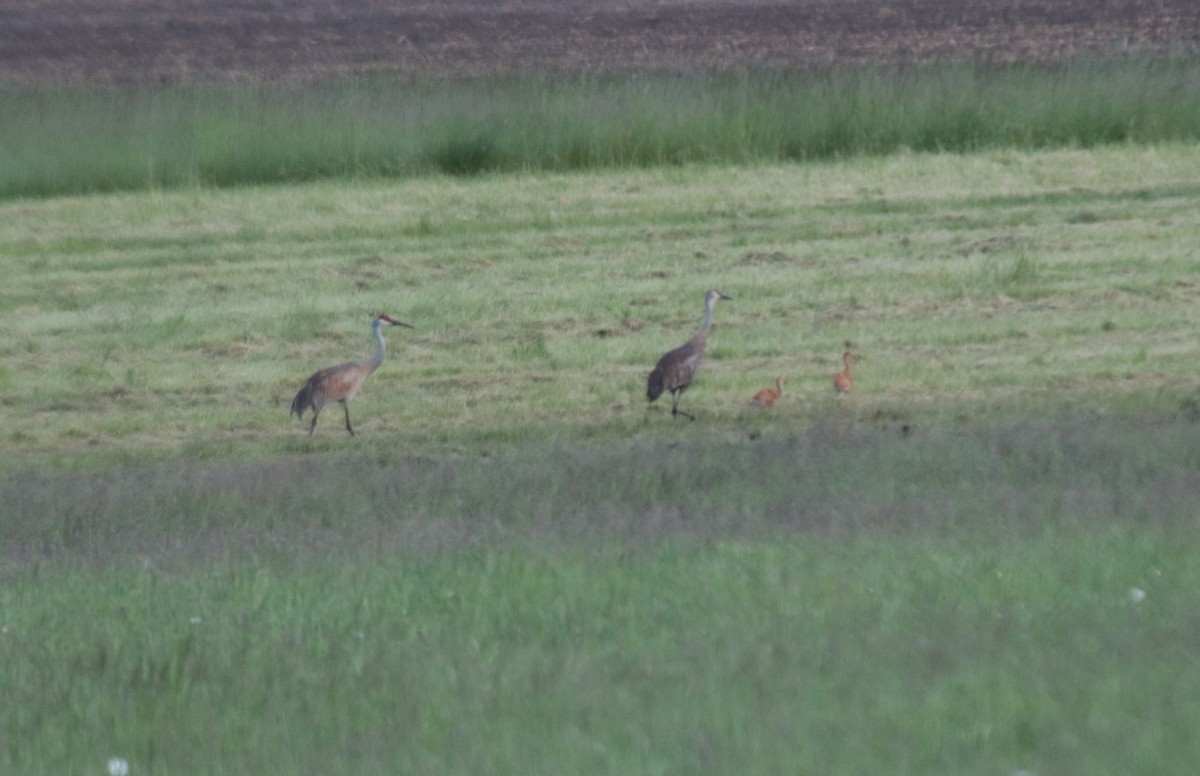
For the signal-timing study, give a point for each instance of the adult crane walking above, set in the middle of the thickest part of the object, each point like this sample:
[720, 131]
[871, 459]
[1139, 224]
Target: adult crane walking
[677, 369]
[342, 381]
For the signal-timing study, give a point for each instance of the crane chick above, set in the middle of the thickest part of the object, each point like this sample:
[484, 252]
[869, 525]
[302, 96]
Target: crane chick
[768, 396]
[342, 382]
[842, 380]
[677, 369]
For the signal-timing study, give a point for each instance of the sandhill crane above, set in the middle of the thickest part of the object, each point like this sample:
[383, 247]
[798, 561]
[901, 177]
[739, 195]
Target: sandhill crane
[341, 382]
[677, 368]
[768, 396]
[841, 380]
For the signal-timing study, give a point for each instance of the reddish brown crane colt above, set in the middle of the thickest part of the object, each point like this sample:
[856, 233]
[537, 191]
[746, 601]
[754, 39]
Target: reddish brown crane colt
[768, 396]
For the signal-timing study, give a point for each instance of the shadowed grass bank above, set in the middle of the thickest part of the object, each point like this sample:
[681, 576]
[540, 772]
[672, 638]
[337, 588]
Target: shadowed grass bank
[833, 480]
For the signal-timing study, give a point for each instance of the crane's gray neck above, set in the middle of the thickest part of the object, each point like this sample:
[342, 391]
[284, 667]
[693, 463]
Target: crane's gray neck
[380, 346]
[708, 312]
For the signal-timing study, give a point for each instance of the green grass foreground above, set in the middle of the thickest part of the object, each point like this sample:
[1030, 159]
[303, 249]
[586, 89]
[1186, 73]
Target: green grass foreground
[982, 560]
[61, 139]
[843, 602]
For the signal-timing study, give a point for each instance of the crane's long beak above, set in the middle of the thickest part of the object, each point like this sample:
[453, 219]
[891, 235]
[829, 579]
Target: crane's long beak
[401, 323]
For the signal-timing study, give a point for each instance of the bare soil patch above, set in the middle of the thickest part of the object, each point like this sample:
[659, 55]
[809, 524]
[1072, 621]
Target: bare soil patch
[166, 40]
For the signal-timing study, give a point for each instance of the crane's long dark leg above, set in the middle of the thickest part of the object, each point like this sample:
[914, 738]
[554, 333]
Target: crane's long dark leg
[675, 406]
[346, 407]
[312, 426]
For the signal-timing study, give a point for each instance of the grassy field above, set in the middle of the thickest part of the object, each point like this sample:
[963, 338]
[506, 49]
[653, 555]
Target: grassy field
[992, 600]
[977, 287]
[982, 560]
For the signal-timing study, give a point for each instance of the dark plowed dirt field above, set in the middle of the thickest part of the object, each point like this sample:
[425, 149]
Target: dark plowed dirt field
[137, 40]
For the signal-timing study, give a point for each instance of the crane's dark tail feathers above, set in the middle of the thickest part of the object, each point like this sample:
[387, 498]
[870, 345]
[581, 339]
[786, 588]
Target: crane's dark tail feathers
[302, 401]
[654, 385]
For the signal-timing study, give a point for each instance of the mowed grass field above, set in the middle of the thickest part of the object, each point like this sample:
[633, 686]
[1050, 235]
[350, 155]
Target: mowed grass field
[973, 287]
[982, 560]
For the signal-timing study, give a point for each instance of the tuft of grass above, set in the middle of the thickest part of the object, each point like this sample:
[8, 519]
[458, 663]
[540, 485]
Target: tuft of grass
[301, 324]
[464, 152]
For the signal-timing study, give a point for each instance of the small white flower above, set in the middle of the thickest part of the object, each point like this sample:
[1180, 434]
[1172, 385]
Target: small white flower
[118, 767]
[1137, 594]
[359, 635]
[196, 620]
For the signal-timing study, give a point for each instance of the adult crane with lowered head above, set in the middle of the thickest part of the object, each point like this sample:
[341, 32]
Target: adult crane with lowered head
[342, 381]
[676, 370]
